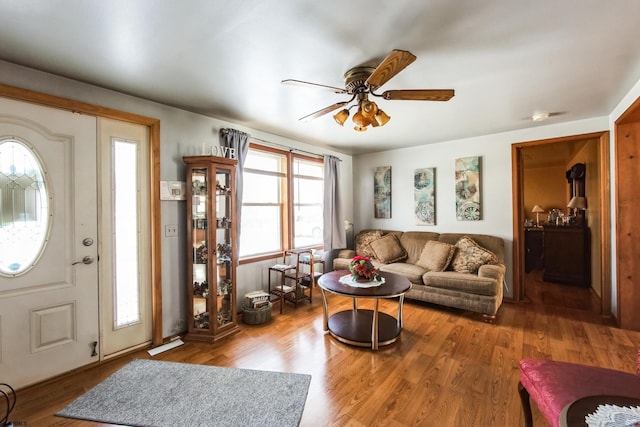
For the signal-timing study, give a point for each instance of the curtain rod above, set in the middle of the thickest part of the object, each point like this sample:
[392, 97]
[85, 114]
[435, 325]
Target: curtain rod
[226, 130]
[288, 148]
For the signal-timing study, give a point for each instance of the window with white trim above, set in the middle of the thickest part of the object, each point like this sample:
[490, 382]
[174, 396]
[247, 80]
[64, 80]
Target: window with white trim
[281, 202]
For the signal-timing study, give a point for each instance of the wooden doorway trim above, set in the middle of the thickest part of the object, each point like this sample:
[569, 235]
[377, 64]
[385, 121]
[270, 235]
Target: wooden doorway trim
[517, 174]
[627, 143]
[27, 95]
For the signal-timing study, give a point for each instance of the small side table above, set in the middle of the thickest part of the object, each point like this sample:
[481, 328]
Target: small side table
[297, 277]
[574, 413]
[281, 290]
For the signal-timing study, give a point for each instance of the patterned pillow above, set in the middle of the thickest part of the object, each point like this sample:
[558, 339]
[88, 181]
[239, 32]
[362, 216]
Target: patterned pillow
[436, 255]
[470, 256]
[388, 249]
[363, 239]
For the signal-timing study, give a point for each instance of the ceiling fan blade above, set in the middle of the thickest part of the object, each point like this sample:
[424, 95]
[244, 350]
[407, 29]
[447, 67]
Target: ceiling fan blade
[303, 83]
[395, 62]
[420, 94]
[323, 111]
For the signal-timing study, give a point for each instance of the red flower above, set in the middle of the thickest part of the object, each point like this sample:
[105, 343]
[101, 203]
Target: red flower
[361, 267]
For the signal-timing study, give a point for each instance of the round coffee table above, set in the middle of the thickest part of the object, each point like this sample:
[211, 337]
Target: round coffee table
[364, 328]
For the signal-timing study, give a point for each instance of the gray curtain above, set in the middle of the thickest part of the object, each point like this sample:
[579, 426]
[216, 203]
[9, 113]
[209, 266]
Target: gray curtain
[238, 141]
[334, 235]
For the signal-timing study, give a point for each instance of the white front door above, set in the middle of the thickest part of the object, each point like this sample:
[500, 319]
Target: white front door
[48, 299]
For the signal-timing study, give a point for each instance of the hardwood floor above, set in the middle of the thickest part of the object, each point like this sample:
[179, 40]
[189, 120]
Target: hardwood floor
[448, 369]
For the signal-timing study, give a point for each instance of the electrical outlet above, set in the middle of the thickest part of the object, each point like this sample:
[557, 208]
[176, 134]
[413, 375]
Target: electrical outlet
[170, 230]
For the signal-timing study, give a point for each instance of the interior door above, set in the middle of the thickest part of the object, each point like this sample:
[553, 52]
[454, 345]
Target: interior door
[48, 305]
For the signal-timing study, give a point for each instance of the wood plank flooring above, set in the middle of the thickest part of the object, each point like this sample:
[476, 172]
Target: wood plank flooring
[448, 369]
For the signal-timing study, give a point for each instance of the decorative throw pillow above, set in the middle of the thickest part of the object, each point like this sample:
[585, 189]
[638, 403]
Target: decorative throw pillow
[388, 249]
[470, 256]
[363, 239]
[436, 255]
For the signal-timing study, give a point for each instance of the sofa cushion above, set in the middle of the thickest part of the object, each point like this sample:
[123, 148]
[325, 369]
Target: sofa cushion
[411, 271]
[413, 242]
[436, 255]
[462, 282]
[363, 239]
[493, 243]
[388, 249]
[469, 256]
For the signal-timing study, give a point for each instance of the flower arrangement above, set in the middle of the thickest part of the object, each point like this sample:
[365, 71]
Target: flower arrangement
[362, 269]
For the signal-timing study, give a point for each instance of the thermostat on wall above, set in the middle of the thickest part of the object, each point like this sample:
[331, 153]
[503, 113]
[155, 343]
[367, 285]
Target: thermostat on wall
[172, 190]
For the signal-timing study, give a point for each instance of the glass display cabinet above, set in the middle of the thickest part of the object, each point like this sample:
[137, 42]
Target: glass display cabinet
[211, 239]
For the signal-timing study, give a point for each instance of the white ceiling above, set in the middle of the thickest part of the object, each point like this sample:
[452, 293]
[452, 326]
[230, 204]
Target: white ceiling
[505, 59]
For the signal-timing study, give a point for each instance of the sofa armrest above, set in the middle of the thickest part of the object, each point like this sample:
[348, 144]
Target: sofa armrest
[492, 271]
[346, 253]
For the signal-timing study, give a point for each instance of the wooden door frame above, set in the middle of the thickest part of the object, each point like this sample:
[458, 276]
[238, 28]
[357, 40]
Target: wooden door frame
[517, 174]
[630, 116]
[46, 100]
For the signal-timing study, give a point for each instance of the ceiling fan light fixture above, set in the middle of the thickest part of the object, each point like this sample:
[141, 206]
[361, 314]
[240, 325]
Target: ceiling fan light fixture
[341, 116]
[360, 119]
[369, 109]
[360, 128]
[381, 118]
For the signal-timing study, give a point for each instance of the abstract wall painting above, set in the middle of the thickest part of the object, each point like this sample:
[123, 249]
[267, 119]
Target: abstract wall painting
[424, 196]
[468, 189]
[382, 192]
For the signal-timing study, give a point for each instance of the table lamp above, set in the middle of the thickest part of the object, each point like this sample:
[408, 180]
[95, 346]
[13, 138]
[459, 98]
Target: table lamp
[537, 210]
[577, 203]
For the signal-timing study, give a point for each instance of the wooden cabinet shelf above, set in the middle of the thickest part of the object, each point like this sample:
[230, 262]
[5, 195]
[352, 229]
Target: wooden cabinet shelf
[211, 279]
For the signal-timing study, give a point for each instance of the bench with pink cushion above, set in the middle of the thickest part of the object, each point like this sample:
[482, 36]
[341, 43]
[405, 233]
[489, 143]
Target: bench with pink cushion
[553, 385]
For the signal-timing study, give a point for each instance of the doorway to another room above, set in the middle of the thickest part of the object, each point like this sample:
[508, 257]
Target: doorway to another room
[561, 223]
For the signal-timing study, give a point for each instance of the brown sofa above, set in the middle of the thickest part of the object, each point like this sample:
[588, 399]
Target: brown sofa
[463, 271]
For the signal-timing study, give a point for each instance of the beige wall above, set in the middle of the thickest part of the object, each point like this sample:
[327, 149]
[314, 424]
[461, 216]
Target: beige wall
[589, 156]
[547, 187]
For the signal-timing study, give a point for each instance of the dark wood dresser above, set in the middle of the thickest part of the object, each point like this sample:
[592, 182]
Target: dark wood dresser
[533, 255]
[567, 255]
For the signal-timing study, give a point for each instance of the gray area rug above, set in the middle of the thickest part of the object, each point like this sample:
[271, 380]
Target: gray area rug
[157, 393]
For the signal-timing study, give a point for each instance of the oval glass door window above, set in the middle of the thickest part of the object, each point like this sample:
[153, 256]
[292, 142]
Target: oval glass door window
[24, 208]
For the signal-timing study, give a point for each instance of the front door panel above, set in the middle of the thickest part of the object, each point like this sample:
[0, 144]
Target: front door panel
[49, 314]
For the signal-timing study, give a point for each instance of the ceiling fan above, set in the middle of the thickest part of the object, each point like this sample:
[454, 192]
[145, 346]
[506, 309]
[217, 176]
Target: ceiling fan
[362, 81]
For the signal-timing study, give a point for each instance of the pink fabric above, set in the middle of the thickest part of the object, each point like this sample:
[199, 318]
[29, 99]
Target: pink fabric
[553, 385]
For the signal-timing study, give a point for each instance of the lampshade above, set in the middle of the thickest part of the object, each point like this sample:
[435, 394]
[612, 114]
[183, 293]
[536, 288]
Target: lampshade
[369, 109]
[577, 202]
[382, 118]
[368, 114]
[537, 209]
[360, 119]
[341, 116]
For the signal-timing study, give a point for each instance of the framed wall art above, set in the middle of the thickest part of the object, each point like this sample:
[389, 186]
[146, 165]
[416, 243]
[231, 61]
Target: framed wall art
[424, 196]
[467, 178]
[382, 192]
